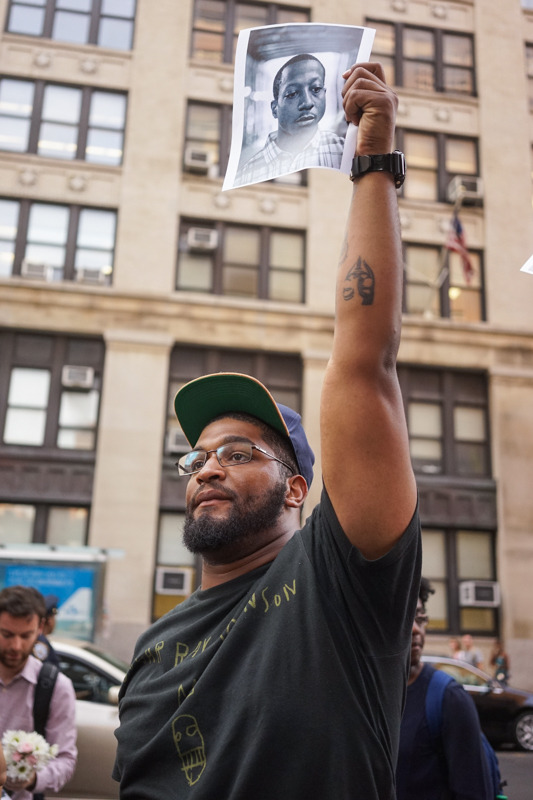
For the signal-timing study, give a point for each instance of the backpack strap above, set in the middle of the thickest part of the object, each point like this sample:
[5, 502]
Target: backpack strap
[41, 701]
[434, 697]
[43, 695]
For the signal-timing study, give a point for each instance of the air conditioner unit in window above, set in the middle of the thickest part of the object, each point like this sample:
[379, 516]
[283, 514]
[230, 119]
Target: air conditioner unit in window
[73, 377]
[467, 189]
[174, 580]
[36, 271]
[484, 594]
[197, 159]
[202, 239]
[90, 275]
[176, 442]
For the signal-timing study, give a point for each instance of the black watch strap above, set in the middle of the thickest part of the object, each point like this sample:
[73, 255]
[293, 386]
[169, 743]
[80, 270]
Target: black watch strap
[389, 162]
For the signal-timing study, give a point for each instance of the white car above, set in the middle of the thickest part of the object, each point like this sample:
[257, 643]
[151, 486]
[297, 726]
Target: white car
[97, 677]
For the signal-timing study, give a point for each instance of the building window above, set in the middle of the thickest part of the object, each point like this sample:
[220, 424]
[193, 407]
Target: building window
[108, 23]
[435, 284]
[55, 525]
[447, 418]
[433, 159]
[427, 59]
[62, 122]
[241, 261]
[207, 139]
[50, 391]
[451, 556]
[177, 570]
[217, 23]
[50, 242]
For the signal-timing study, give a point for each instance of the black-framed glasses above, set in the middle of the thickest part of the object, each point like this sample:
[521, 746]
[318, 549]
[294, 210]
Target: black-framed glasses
[232, 454]
[421, 620]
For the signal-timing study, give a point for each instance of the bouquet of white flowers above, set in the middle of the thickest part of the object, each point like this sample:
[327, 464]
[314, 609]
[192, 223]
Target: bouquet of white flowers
[25, 753]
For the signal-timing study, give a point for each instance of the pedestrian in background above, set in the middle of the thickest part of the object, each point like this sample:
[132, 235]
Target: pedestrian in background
[472, 655]
[500, 661]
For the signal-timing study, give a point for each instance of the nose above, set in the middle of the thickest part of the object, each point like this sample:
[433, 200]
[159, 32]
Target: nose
[306, 99]
[211, 468]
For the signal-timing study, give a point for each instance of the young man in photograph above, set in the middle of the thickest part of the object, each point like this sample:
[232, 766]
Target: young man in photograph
[298, 106]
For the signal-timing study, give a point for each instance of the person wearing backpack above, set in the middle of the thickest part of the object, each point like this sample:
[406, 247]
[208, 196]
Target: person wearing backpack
[27, 701]
[441, 754]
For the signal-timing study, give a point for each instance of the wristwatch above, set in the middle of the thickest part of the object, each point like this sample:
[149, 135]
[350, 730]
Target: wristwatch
[390, 162]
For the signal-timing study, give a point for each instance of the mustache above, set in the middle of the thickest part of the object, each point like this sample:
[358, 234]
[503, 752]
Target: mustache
[213, 487]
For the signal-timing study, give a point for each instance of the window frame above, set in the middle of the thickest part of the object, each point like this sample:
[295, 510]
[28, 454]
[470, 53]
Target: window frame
[451, 391]
[42, 515]
[71, 242]
[444, 176]
[96, 17]
[452, 580]
[264, 267]
[398, 59]
[54, 361]
[82, 126]
[443, 288]
[229, 34]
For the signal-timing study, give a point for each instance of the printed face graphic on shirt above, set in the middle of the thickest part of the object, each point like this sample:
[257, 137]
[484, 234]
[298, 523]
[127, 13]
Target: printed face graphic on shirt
[190, 746]
[300, 104]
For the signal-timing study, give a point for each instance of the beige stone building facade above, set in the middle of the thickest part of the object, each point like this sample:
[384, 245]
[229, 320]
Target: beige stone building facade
[125, 271]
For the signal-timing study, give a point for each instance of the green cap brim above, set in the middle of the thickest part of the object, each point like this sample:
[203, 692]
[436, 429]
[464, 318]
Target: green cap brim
[201, 400]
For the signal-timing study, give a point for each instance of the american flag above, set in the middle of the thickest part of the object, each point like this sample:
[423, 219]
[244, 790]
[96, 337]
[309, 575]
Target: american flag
[456, 242]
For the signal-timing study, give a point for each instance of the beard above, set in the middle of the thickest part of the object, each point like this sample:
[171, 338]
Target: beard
[245, 520]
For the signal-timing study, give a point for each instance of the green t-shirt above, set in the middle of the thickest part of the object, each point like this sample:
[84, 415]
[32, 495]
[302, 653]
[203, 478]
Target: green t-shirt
[286, 683]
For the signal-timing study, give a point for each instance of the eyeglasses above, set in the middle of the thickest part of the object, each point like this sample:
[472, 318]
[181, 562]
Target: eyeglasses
[228, 455]
[421, 620]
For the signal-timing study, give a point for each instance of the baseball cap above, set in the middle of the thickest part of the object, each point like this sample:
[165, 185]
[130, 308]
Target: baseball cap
[203, 399]
[51, 602]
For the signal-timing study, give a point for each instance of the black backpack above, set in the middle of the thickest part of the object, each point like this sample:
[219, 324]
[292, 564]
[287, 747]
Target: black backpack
[41, 701]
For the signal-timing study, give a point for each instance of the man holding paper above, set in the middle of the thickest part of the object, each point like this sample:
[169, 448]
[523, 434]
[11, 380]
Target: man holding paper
[283, 677]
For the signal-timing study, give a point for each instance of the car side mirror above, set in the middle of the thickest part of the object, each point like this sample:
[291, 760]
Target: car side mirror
[112, 695]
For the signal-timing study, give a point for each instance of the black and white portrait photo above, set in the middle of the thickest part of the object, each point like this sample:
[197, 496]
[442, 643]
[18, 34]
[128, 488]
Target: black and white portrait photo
[287, 113]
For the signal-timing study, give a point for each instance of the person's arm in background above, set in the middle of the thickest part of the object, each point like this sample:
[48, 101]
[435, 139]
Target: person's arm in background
[365, 449]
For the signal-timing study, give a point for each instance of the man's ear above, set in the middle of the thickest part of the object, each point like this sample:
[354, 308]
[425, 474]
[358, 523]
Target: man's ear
[296, 491]
[274, 108]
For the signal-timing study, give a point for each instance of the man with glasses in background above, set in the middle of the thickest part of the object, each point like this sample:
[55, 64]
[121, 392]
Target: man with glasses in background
[283, 676]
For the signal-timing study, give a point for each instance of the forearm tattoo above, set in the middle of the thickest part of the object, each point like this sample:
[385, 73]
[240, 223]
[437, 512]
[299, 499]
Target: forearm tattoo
[362, 273]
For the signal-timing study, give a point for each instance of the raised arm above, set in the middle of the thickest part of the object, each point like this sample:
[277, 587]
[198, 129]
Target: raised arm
[365, 449]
